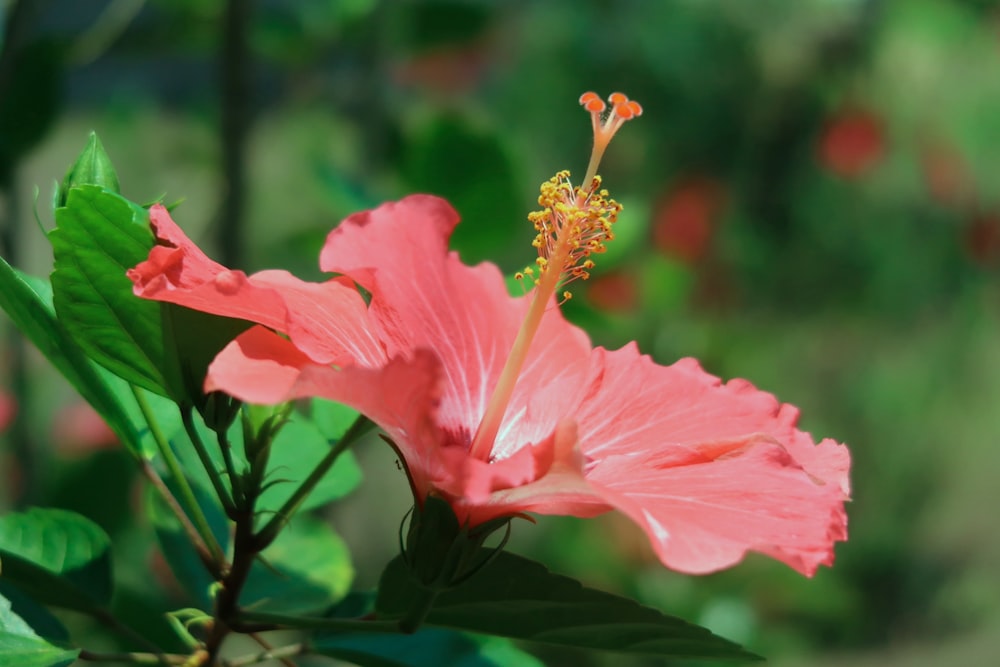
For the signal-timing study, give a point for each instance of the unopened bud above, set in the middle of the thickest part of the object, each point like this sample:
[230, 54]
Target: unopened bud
[92, 167]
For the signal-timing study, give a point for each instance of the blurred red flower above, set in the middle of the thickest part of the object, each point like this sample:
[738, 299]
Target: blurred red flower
[78, 429]
[982, 239]
[852, 142]
[614, 292]
[685, 218]
[8, 410]
[947, 175]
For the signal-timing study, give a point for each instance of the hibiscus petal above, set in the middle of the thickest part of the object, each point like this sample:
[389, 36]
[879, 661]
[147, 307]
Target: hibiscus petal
[424, 297]
[705, 516]
[401, 396]
[558, 488]
[328, 321]
[710, 470]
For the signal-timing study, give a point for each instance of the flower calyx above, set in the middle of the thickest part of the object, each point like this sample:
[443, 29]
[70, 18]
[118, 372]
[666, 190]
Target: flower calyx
[440, 553]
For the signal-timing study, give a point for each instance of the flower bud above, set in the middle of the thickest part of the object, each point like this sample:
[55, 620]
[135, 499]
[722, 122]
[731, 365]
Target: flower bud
[92, 167]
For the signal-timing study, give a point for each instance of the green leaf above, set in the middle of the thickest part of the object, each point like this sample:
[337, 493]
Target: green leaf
[332, 419]
[307, 568]
[28, 302]
[40, 619]
[430, 647]
[519, 598]
[19, 645]
[98, 237]
[295, 452]
[57, 557]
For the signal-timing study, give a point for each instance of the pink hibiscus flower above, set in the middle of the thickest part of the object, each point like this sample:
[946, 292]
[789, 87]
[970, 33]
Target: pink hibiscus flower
[499, 405]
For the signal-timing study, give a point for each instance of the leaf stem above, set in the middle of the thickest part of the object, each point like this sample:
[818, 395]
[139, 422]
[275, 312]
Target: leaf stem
[271, 529]
[133, 657]
[239, 496]
[187, 495]
[187, 416]
[204, 555]
[319, 622]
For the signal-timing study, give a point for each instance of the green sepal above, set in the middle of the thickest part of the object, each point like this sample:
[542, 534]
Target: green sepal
[439, 551]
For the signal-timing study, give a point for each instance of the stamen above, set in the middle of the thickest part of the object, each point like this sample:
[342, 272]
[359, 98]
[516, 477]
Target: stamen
[574, 224]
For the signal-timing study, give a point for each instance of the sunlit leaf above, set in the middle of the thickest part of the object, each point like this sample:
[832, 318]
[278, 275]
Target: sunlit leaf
[40, 619]
[58, 557]
[98, 237]
[19, 645]
[308, 568]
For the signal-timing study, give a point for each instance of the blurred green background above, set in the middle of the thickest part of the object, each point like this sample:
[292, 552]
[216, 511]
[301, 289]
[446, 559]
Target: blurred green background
[811, 202]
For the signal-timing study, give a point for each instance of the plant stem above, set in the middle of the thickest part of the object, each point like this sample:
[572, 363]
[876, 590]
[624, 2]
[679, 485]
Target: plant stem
[318, 623]
[239, 495]
[227, 601]
[271, 529]
[134, 658]
[187, 415]
[187, 494]
[189, 530]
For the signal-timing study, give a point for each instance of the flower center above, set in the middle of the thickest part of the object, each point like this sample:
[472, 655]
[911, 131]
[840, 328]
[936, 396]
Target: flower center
[574, 224]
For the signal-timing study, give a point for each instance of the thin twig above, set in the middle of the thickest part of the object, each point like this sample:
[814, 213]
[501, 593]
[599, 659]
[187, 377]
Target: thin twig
[187, 415]
[319, 622]
[187, 494]
[189, 530]
[134, 658]
[267, 646]
[111, 621]
[235, 481]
